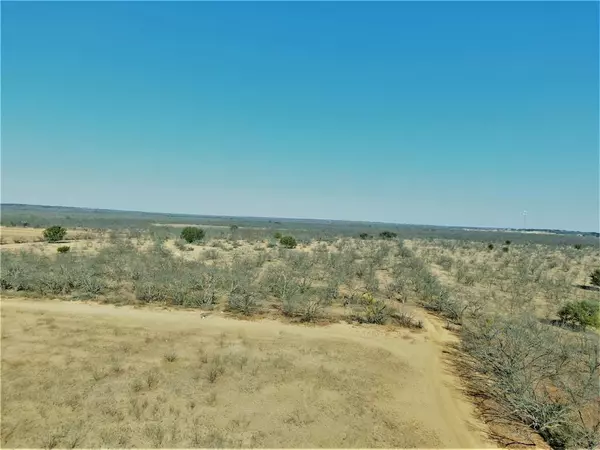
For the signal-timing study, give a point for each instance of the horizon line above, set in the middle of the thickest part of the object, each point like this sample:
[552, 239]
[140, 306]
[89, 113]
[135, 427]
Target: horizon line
[292, 218]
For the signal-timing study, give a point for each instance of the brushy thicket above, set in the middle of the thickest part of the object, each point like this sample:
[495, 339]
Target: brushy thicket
[545, 376]
[298, 284]
[539, 375]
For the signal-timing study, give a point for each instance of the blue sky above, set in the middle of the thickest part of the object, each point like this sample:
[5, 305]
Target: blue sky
[450, 113]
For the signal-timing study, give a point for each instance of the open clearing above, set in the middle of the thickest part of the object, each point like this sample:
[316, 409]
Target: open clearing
[86, 375]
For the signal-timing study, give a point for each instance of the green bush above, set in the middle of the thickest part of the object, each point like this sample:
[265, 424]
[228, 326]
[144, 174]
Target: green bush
[277, 235]
[490, 246]
[577, 246]
[63, 249]
[595, 277]
[192, 234]
[507, 242]
[55, 233]
[374, 310]
[581, 314]
[387, 235]
[364, 235]
[288, 241]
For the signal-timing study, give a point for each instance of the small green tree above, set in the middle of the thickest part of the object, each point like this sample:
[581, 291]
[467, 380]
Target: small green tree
[507, 242]
[192, 234]
[233, 227]
[490, 246]
[581, 314]
[55, 233]
[63, 249]
[387, 235]
[364, 235]
[288, 241]
[577, 246]
[595, 277]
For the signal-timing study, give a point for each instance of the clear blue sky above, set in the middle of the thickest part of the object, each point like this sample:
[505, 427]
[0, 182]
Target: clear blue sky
[438, 113]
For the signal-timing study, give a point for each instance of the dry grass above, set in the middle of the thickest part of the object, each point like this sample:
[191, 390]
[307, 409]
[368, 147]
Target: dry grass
[88, 375]
[77, 374]
[15, 237]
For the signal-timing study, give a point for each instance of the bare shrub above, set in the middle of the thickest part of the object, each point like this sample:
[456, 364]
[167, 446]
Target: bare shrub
[242, 301]
[305, 308]
[537, 376]
[211, 254]
[406, 319]
[301, 266]
[398, 289]
[445, 263]
[181, 245]
[281, 281]
[595, 277]
[151, 291]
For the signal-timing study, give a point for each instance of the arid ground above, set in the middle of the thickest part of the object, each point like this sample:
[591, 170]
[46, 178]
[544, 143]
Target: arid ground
[89, 375]
[136, 338]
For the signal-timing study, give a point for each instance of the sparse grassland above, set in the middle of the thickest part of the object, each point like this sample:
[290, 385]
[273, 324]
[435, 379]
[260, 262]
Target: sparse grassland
[503, 328]
[89, 375]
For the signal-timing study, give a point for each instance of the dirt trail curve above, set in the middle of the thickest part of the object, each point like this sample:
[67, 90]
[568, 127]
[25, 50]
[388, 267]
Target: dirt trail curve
[443, 411]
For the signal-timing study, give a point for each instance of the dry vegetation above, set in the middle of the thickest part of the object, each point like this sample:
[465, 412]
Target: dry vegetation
[317, 281]
[84, 375]
[521, 361]
[513, 278]
[169, 378]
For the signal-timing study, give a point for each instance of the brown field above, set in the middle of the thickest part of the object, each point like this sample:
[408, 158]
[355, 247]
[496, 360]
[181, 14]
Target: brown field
[88, 375]
[310, 363]
[15, 235]
[23, 235]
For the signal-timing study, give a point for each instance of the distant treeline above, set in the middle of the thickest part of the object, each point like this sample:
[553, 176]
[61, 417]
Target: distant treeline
[43, 216]
[543, 230]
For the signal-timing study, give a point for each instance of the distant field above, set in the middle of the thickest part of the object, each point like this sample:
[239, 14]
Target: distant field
[183, 225]
[43, 216]
[21, 235]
